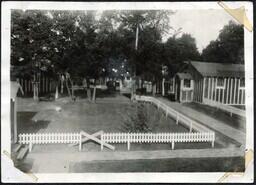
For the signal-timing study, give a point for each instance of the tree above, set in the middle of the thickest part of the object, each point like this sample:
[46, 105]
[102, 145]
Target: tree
[150, 26]
[228, 47]
[178, 50]
[29, 44]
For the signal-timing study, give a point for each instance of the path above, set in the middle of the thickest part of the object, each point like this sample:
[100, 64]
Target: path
[212, 123]
[61, 161]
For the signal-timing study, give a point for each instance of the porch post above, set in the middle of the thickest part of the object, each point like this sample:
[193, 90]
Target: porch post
[227, 97]
[15, 120]
[238, 93]
[181, 87]
[203, 89]
[231, 90]
[235, 89]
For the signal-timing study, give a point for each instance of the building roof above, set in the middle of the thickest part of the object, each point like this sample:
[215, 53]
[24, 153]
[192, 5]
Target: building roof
[184, 75]
[218, 69]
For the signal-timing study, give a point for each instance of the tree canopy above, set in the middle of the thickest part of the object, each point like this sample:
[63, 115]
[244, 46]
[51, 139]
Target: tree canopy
[89, 45]
[228, 47]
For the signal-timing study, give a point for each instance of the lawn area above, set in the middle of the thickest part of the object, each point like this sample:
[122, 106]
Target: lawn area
[111, 113]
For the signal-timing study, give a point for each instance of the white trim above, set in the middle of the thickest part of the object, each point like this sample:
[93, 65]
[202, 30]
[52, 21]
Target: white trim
[223, 92]
[215, 94]
[227, 98]
[212, 81]
[230, 98]
[204, 87]
[220, 86]
[208, 93]
[238, 94]
[235, 88]
[241, 87]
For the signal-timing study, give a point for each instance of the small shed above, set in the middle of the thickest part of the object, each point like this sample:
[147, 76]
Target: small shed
[15, 87]
[184, 87]
[211, 83]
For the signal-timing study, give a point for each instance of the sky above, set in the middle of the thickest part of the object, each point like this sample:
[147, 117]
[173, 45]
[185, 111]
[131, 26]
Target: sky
[203, 25]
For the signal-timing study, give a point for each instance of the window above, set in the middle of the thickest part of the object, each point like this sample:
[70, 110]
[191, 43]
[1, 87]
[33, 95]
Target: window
[187, 83]
[242, 83]
[220, 83]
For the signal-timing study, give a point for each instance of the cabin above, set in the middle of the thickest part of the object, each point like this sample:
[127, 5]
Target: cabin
[210, 83]
[15, 88]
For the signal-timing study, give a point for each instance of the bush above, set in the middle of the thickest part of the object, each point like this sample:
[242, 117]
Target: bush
[137, 122]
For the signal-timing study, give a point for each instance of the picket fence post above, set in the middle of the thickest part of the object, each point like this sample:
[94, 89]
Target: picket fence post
[213, 138]
[177, 119]
[80, 141]
[101, 141]
[128, 142]
[190, 128]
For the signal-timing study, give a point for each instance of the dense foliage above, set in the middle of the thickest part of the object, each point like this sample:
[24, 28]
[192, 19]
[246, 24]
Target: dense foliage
[228, 47]
[89, 45]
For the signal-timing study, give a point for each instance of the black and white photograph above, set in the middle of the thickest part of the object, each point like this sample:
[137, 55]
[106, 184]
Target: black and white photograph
[132, 89]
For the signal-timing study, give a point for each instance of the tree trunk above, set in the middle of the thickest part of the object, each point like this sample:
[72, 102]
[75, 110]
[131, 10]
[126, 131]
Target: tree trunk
[35, 91]
[62, 85]
[57, 92]
[142, 87]
[163, 90]
[94, 94]
[154, 88]
[88, 89]
[133, 89]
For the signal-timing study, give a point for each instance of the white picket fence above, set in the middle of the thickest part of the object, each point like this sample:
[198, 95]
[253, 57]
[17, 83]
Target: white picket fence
[180, 118]
[49, 138]
[158, 138]
[72, 138]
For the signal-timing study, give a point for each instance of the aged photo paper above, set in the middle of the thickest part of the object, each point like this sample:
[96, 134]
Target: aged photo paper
[127, 92]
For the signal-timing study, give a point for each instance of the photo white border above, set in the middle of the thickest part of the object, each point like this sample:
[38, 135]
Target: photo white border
[119, 177]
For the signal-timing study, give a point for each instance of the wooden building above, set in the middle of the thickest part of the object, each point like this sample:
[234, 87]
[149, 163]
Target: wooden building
[210, 83]
[15, 87]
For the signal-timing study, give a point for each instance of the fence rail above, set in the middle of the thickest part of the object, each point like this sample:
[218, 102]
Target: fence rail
[227, 108]
[191, 124]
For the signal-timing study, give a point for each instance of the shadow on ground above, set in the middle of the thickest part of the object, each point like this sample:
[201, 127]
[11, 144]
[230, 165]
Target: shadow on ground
[25, 124]
[234, 121]
[234, 164]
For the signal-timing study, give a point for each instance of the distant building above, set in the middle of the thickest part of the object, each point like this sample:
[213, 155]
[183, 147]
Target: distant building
[210, 83]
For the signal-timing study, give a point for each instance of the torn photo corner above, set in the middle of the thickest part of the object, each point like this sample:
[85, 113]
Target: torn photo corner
[127, 92]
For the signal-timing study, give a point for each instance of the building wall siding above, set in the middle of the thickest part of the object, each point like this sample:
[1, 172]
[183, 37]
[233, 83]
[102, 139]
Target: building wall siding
[231, 93]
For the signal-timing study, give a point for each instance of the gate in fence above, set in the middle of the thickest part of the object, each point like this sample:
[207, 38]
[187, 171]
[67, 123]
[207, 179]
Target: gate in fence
[105, 138]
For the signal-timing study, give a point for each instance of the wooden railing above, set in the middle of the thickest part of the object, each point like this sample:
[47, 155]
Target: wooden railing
[158, 138]
[226, 107]
[180, 118]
